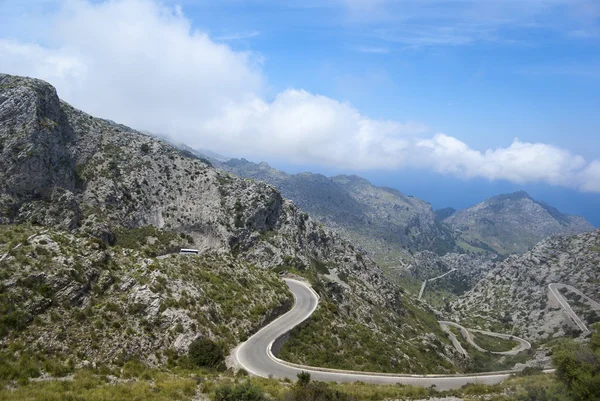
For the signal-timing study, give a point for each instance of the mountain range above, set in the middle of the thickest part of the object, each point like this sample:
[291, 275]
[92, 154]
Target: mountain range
[88, 204]
[92, 212]
[391, 225]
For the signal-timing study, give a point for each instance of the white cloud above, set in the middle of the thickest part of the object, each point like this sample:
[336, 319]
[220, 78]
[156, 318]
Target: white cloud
[314, 129]
[590, 177]
[520, 162]
[373, 49]
[136, 62]
[142, 64]
[237, 36]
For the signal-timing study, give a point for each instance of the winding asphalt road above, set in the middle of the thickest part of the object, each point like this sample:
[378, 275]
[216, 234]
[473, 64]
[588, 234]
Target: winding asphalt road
[466, 333]
[255, 355]
[553, 288]
[432, 279]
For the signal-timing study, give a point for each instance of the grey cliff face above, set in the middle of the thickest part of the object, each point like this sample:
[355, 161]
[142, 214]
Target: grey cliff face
[35, 162]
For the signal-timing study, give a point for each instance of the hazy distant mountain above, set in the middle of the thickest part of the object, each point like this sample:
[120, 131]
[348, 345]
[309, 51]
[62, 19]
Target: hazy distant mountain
[387, 223]
[203, 153]
[200, 153]
[445, 212]
[513, 223]
[390, 225]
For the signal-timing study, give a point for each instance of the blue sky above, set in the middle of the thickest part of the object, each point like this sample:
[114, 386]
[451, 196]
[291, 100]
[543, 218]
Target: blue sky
[425, 96]
[506, 80]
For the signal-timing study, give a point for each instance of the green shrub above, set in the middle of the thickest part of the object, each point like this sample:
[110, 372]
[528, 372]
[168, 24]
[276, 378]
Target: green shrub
[303, 378]
[14, 320]
[241, 392]
[595, 340]
[317, 391]
[134, 368]
[204, 352]
[530, 371]
[57, 368]
[578, 368]
[320, 267]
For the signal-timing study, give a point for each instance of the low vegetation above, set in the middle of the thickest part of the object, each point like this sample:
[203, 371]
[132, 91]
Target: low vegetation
[399, 348]
[479, 361]
[67, 298]
[577, 378]
[494, 344]
[86, 385]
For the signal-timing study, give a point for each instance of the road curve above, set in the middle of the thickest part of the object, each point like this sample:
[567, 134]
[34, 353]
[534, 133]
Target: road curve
[432, 279]
[553, 288]
[454, 340]
[466, 333]
[255, 355]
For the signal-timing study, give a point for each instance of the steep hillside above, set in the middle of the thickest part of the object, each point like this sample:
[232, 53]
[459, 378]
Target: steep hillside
[447, 276]
[514, 293]
[67, 297]
[66, 170]
[513, 223]
[382, 220]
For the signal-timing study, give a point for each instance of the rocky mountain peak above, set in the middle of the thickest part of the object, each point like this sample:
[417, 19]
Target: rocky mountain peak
[512, 223]
[515, 196]
[34, 152]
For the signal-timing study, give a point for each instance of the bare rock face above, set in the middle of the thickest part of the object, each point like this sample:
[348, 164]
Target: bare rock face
[513, 223]
[35, 163]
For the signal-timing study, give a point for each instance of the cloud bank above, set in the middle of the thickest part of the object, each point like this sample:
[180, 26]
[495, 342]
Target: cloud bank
[142, 64]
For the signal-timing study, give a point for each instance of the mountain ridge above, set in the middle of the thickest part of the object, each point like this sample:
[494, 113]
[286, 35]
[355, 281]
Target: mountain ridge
[513, 223]
[115, 188]
[513, 294]
[409, 224]
[381, 220]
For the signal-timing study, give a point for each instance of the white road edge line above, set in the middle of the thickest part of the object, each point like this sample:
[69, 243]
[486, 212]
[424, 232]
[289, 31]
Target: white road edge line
[564, 304]
[237, 350]
[498, 374]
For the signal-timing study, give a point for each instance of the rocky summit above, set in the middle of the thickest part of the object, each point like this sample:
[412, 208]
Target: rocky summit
[513, 223]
